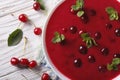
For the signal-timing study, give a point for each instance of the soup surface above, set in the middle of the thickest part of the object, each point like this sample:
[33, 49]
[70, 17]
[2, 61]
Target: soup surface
[75, 57]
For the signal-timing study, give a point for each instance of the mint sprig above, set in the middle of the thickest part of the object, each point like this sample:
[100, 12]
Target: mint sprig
[80, 13]
[78, 7]
[114, 64]
[88, 40]
[113, 14]
[58, 37]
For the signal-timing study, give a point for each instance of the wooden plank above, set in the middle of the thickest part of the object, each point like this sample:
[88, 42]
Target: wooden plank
[9, 12]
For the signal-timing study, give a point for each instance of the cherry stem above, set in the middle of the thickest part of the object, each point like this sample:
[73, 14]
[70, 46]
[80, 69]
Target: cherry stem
[25, 43]
[33, 24]
[24, 77]
[19, 26]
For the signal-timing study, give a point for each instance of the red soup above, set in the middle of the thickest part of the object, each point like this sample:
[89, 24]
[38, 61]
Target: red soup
[91, 39]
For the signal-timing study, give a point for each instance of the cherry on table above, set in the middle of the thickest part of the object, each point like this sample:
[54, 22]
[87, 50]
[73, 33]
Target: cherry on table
[14, 61]
[32, 64]
[24, 62]
[37, 31]
[36, 6]
[23, 18]
[45, 76]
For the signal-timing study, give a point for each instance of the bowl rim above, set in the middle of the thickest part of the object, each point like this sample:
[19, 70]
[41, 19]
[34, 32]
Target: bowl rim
[55, 70]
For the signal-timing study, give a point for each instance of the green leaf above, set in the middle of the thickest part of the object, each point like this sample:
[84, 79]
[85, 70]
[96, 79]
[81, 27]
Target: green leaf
[58, 37]
[62, 37]
[112, 17]
[80, 13]
[56, 40]
[109, 67]
[15, 37]
[94, 42]
[79, 5]
[114, 64]
[84, 35]
[113, 14]
[115, 67]
[110, 10]
[74, 7]
[116, 61]
[88, 40]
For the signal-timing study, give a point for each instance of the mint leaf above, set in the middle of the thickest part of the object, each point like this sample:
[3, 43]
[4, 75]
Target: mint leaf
[109, 67]
[88, 40]
[116, 61]
[58, 37]
[15, 37]
[78, 7]
[80, 13]
[113, 14]
[84, 35]
[74, 7]
[80, 3]
[114, 64]
[62, 37]
[115, 67]
[110, 10]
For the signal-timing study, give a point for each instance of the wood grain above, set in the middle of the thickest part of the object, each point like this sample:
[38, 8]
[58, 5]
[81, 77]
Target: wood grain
[9, 12]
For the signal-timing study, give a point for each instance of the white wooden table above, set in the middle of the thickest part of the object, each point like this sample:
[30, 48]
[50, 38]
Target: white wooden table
[9, 12]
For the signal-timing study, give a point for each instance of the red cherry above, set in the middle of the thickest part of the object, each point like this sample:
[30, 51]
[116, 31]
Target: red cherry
[14, 61]
[73, 29]
[24, 62]
[23, 18]
[77, 63]
[37, 31]
[36, 6]
[45, 76]
[32, 64]
[102, 68]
